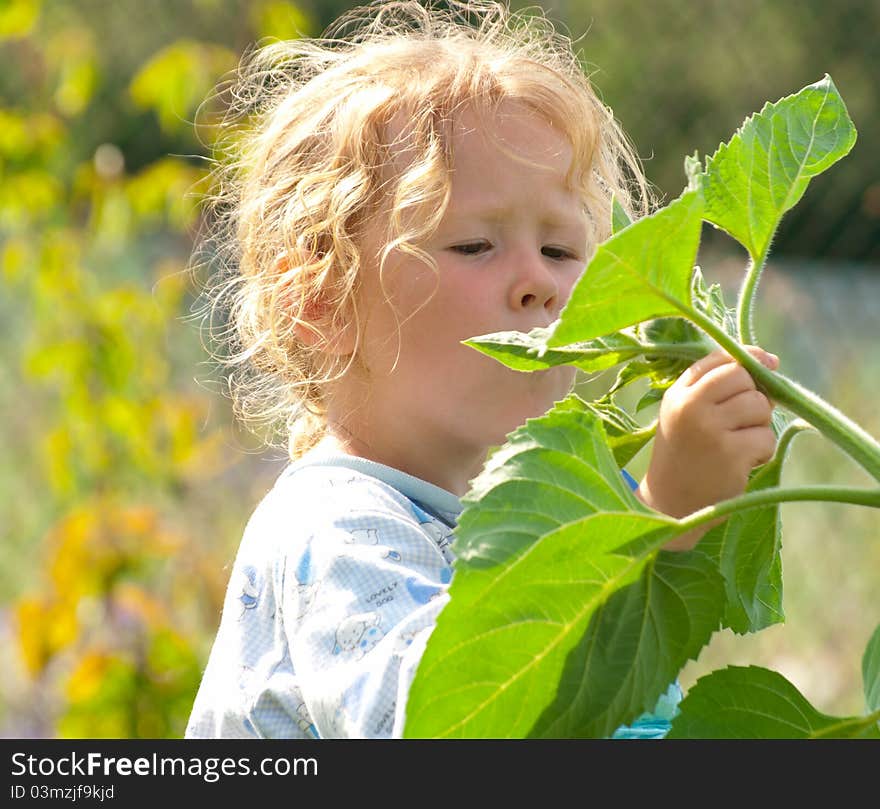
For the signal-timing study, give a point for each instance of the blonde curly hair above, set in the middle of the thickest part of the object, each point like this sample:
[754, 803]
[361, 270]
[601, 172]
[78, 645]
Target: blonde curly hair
[305, 165]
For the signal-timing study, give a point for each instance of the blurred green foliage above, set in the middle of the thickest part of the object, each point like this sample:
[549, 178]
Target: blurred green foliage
[124, 484]
[110, 597]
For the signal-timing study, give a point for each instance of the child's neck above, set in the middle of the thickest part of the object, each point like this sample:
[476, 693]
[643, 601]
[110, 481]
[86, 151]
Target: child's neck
[439, 465]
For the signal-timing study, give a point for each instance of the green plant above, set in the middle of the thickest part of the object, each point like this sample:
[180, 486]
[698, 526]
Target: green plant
[566, 617]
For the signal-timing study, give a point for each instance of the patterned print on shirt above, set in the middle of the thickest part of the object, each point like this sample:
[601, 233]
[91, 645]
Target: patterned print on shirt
[370, 536]
[251, 588]
[306, 586]
[357, 634]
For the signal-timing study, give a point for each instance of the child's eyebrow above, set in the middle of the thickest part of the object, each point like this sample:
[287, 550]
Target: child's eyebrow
[555, 219]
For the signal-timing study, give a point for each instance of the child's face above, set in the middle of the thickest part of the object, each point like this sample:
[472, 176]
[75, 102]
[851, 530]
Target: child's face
[509, 249]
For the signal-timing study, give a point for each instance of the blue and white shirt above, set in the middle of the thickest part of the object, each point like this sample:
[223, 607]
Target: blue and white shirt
[336, 586]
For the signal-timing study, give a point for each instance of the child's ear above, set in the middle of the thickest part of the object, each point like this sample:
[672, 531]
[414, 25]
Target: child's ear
[320, 328]
[317, 324]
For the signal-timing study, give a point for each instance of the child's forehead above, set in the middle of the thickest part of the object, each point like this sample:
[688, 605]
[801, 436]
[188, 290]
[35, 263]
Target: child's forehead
[510, 126]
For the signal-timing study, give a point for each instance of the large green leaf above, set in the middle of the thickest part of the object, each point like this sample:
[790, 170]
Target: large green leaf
[528, 351]
[752, 180]
[749, 702]
[636, 645]
[747, 549]
[871, 671]
[642, 272]
[550, 531]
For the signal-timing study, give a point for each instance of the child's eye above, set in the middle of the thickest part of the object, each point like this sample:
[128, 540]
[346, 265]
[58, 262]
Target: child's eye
[558, 253]
[471, 248]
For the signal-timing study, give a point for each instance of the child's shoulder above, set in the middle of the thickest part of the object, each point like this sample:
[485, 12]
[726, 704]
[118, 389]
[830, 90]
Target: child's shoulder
[355, 482]
[325, 495]
[322, 492]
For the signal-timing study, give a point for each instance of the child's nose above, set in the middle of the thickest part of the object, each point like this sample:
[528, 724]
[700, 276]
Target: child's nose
[535, 286]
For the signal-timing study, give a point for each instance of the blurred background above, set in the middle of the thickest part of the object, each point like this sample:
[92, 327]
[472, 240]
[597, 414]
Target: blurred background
[124, 483]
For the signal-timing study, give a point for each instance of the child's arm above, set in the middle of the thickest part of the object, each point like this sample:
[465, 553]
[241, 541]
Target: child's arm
[713, 429]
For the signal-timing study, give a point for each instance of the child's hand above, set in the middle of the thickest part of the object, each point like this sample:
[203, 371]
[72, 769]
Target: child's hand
[713, 429]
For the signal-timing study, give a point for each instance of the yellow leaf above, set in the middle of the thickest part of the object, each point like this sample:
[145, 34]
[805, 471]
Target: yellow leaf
[30, 624]
[138, 519]
[76, 88]
[146, 532]
[71, 55]
[16, 257]
[85, 680]
[29, 196]
[60, 275]
[18, 18]
[72, 565]
[14, 140]
[165, 191]
[57, 448]
[63, 628]
[45, 625]
[280, 20]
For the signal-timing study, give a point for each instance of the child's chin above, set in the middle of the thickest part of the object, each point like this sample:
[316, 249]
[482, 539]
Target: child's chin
[552, 385]
[538, 409]
[542, 390]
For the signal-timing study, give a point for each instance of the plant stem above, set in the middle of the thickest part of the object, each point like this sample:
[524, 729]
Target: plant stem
[745, 302]
[684, 351]
[834, 425]
[769, 497]
[791, 430]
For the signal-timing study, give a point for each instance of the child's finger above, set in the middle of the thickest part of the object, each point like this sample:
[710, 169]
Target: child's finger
[766, 359]
[750, 408]
[695, 372]
[725, 382]
[758, 444]
[719, 357]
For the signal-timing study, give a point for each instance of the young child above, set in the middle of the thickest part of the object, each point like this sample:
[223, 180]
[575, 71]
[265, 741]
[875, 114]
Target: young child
[416, 178]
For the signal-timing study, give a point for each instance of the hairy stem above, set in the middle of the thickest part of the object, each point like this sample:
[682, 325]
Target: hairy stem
[791, 430]
[834, 425]
[769, 497]
[746, 300]
[684, 351]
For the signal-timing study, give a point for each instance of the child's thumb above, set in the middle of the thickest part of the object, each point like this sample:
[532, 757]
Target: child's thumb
[766, 359]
